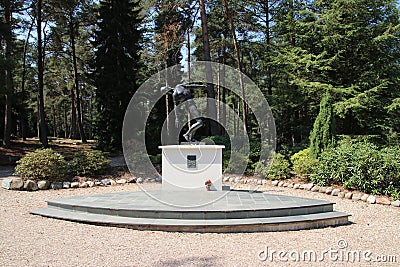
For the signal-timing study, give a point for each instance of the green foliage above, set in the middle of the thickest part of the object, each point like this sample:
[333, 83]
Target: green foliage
[237, 157]
[361, 166]
[280, 168]
[303, 163]
[322, 135]
[155, 159]
[42, 164]
[237, 161]
[296, 50]
[89, 162]
[221, 140]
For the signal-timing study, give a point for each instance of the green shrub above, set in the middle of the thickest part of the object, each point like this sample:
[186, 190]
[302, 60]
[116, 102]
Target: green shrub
[89, 162]
[155, 159]
[261, 168]
[280, 168]
[236, 160]
[220, 140]
[303, 164]
[238, 144]
[42, 164]
[361, 166]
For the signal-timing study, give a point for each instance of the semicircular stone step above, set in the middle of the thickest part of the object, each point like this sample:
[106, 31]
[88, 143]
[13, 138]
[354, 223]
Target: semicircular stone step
[233, 211]
[286, 223]
[229, 206]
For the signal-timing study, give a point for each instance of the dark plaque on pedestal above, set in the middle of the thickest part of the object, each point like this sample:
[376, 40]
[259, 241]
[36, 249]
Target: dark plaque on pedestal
[191, 162]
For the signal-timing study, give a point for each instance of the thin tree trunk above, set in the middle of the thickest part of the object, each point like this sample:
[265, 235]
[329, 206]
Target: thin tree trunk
[76, 80]
[223, 87]
[23, 80]
[239, 65]
[188, 54]
[53, 111]
[167, 103]
[268, 40]
[218, 91]
[211, 107]
[9, 78]
[65, 122]
[90, 110]
[42, 117]
[72, 131]
[234, 118]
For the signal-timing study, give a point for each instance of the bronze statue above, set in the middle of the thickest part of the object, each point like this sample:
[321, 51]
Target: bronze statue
[181, 94]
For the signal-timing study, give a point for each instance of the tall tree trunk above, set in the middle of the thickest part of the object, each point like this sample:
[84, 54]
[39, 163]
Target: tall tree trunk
[239, 65]
[268, 48]
[188, 55]
[211, 107]
[42, 117]
[53, 111]
[223, 87]
[24, 123]
[9, 78]
[72, 131]
[76, 80]
[65, 122]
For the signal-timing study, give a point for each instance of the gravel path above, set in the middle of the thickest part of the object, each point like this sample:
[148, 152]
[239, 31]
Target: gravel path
[28, 240]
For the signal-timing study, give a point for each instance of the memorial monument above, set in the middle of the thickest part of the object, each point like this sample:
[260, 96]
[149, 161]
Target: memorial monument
[187, 166]
[182, 202]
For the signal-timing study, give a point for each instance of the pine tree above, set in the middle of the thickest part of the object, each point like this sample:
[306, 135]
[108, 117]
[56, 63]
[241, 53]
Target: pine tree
[322, 135]
[361, 38]
[116, 65]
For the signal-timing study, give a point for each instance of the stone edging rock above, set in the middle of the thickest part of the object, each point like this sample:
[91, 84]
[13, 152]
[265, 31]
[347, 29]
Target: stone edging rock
[29, 185]
[313, 188]
[371, 199]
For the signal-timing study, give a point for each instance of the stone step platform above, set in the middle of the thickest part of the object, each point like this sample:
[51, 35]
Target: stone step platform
[215, 211]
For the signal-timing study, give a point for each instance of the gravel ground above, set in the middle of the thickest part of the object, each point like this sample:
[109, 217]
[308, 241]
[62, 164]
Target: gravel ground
[28, 240]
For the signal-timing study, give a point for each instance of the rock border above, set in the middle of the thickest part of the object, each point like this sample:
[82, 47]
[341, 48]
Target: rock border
[17, 183]
[329, 190]
[371, 199]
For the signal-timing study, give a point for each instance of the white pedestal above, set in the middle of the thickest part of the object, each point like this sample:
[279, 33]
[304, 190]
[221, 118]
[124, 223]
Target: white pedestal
[187, 167]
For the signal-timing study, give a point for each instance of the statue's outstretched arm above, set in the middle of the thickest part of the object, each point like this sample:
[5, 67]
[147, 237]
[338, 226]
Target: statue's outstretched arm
[195, 86]
[166, 89]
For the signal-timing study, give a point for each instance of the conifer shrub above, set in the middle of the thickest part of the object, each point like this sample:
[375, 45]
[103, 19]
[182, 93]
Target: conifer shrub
[322, 136]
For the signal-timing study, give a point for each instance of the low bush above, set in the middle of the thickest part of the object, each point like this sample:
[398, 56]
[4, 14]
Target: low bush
[280, 168]
[303, 164]
[42, 164]
[361, 166]
[220, 140]
[89, 162]
[235, 162]
[155, 159]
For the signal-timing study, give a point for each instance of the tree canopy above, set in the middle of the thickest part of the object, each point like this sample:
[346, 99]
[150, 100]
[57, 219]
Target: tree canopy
[76, 77]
